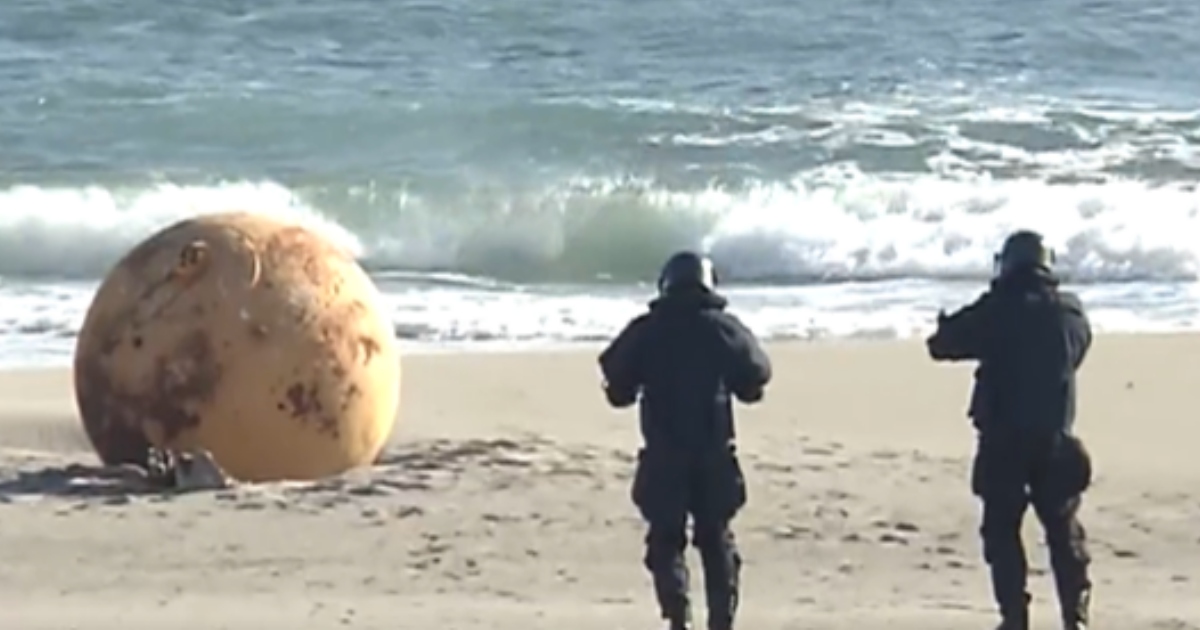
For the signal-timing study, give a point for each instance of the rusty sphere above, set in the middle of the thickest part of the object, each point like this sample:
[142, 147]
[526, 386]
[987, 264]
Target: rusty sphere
[253, 338]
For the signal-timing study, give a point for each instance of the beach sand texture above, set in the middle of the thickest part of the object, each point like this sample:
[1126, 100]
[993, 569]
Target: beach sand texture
[503, 503]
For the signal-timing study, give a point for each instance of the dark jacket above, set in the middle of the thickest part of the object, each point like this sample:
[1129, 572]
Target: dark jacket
[1029, 338]
[685, 356]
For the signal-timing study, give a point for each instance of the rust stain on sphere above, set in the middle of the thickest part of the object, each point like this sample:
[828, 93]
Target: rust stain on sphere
[253, 338]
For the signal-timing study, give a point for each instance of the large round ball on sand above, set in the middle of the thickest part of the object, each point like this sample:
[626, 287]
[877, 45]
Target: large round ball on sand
[255, 339]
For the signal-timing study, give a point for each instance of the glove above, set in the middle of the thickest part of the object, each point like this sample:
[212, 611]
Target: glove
[619, 398]
[751, 395]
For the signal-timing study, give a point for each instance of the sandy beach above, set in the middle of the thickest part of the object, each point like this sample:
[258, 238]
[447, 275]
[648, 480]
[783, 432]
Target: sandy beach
[502, 504]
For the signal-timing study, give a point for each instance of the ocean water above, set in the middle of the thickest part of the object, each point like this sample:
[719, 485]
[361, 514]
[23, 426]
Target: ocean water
[514, 172]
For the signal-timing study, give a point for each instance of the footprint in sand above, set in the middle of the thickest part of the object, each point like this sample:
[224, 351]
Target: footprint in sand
[900, 526]
[408, 511]
[792, 532]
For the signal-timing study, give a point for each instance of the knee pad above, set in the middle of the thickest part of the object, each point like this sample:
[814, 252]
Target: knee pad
[712, 536]
[717, 544]
[1067, 544]
[663, 549]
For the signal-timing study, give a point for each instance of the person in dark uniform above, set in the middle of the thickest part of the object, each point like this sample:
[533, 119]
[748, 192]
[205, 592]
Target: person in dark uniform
[683, 361]
[1029, 338]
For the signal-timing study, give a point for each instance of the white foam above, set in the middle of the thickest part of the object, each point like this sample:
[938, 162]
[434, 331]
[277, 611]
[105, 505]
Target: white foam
[79, 232]
[863, 227]
[38, 324]
[834, 223]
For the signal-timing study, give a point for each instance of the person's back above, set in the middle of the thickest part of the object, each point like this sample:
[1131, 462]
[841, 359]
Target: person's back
[690, 347]
[1038, 337]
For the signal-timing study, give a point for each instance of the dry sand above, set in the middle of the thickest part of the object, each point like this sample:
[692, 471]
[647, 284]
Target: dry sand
[503, 504]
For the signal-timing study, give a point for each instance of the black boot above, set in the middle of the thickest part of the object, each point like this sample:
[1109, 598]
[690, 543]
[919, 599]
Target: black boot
[1015, 615]
[722, 569]
[1014, 622]
[1074, 589]
[673, 602]
[1005, 556]
[679, 621]
[1075, 607]
[669, 572]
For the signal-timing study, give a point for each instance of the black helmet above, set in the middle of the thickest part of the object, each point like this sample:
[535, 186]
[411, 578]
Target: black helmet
[1023, 249]
[687, 270]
